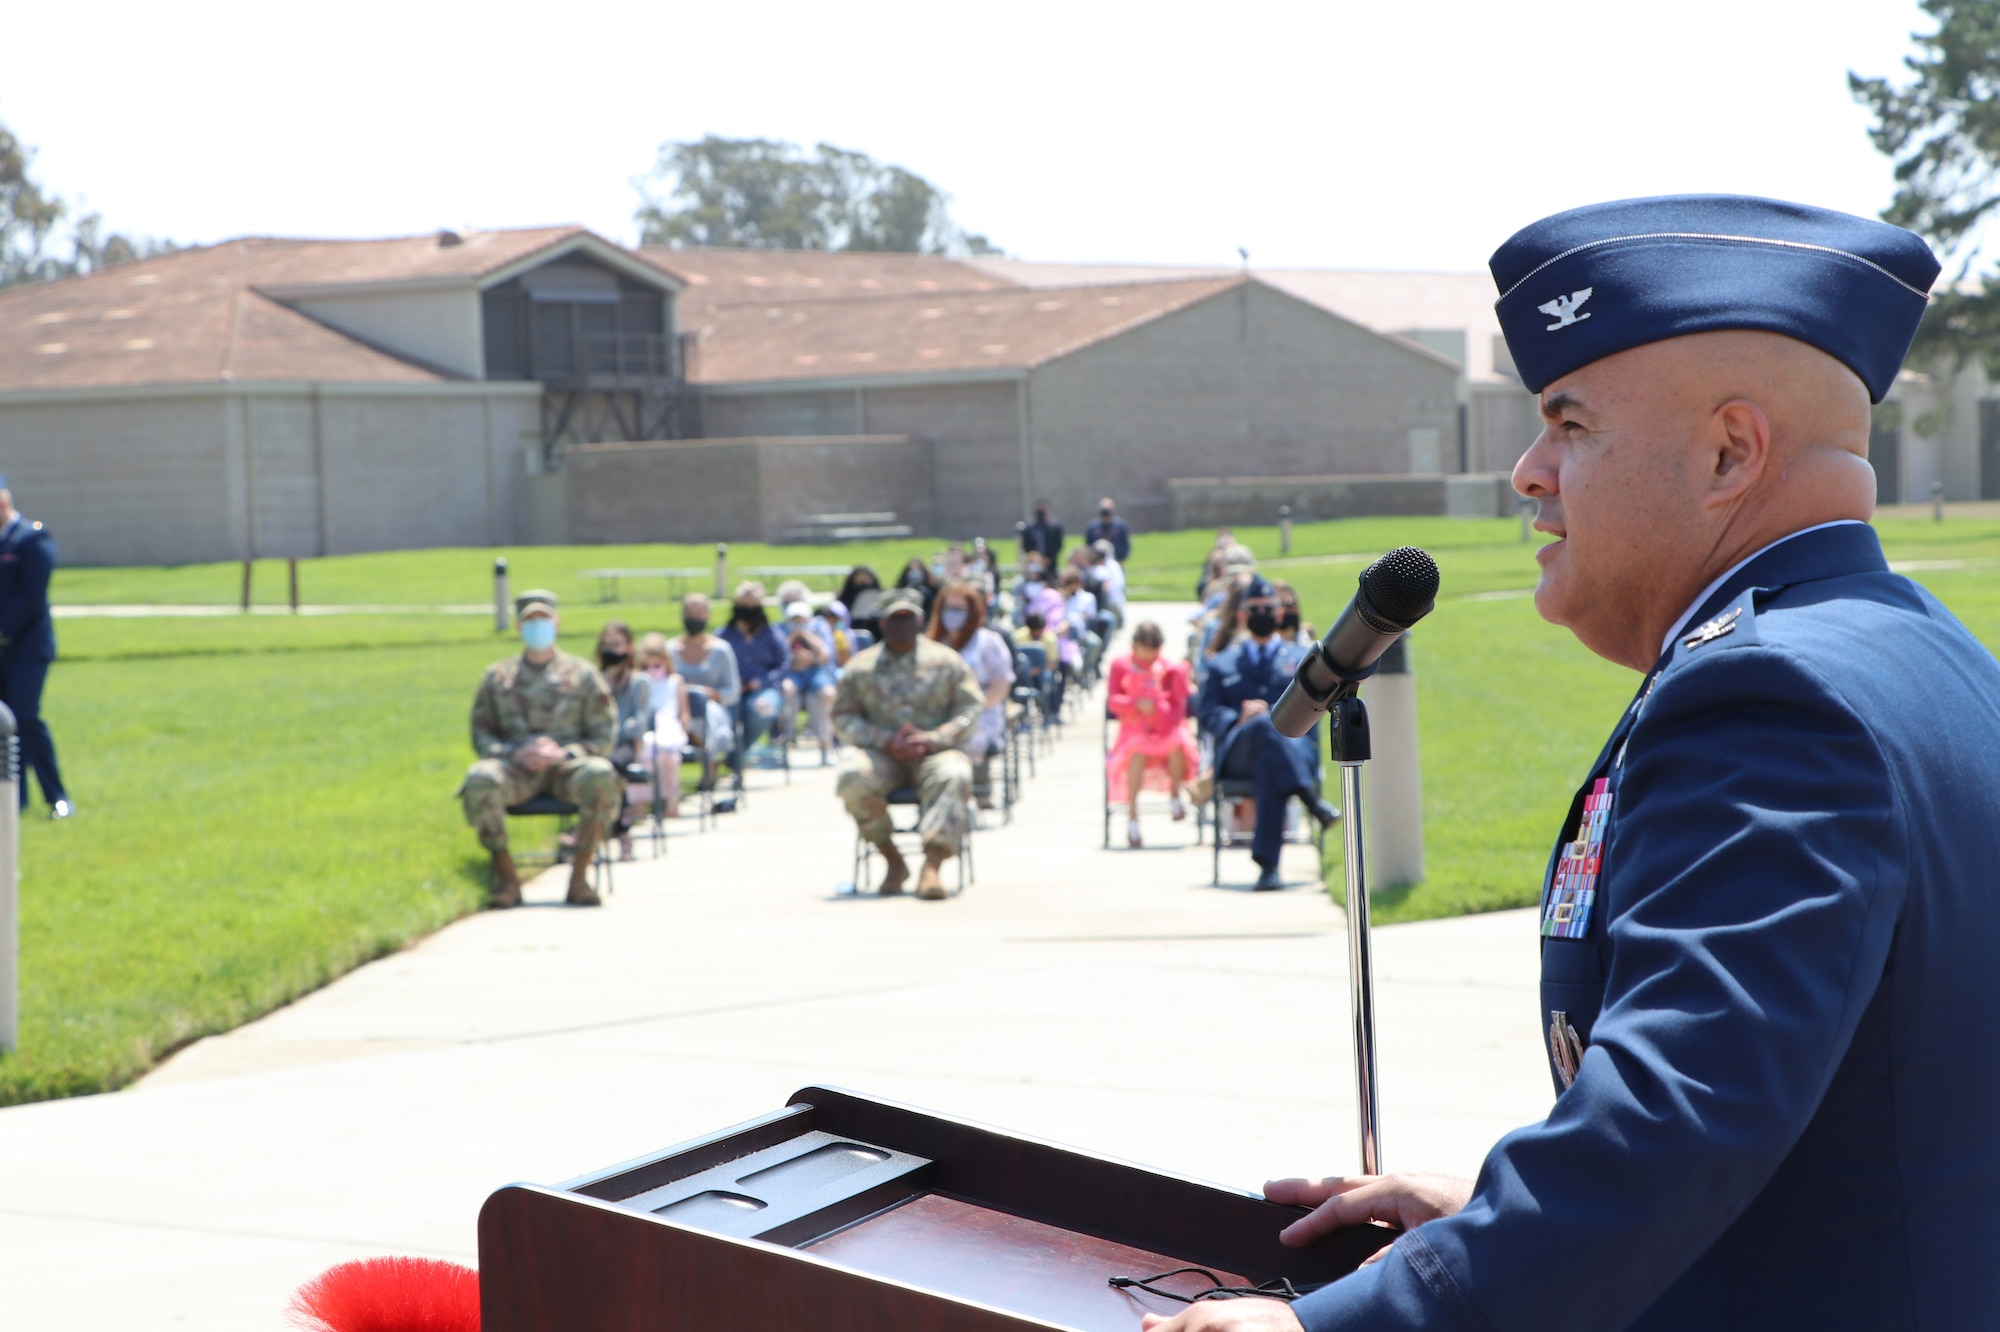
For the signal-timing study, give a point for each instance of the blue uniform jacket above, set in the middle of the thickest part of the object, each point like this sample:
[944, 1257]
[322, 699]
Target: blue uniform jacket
[1233, 679]
[1787, 1109]
[27, 559]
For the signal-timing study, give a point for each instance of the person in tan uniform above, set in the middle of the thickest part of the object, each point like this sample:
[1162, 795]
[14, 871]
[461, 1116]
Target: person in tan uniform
[543, 721]
[905, 708]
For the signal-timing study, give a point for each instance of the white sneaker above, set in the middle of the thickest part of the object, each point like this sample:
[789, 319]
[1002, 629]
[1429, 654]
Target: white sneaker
[1132, 838]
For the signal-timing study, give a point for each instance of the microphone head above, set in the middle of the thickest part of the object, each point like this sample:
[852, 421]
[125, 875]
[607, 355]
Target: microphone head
[1398, 590]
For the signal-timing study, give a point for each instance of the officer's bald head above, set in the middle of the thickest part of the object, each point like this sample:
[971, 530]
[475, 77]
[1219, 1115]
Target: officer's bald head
[1662, 466]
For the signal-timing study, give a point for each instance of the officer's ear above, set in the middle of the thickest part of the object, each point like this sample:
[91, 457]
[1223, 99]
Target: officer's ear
[1737, 450]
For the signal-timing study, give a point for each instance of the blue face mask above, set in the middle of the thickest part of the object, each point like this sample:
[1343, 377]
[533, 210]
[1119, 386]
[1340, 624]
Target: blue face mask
[538, 634]
[953, 618]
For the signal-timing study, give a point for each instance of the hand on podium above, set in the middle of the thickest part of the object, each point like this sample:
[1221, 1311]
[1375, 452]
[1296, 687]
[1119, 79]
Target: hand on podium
[1228, 1316]
[1402, 1200]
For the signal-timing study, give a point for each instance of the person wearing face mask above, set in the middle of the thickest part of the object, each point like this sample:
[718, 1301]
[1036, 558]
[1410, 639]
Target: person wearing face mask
[809, 679]
[1242, 682]
[860, 595]
[542, 722]
[959, 622]
[1291, 627]
[1109, 527]
[906, 707]
[633, 701]
[708, 667]
[1043, 537]
[762, 658]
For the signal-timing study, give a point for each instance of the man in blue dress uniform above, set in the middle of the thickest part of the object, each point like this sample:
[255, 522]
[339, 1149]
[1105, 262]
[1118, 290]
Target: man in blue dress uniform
[1770, 926]
[28, 645]
[1234, 707]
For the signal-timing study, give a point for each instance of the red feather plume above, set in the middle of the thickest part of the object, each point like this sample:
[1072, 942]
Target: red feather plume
[389, 1295]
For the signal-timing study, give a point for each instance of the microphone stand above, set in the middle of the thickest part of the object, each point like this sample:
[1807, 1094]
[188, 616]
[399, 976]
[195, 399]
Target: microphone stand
[1348, 745]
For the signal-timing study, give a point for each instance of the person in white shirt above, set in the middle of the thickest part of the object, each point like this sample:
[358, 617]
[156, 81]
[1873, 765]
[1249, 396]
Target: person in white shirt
[660, 747]
[1110, 580]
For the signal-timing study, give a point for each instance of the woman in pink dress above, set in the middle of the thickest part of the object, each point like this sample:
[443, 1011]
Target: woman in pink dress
[1149, 697]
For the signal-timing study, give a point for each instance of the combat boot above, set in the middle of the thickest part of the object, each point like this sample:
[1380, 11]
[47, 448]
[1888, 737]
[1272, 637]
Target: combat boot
[580, 891]
[506, 887]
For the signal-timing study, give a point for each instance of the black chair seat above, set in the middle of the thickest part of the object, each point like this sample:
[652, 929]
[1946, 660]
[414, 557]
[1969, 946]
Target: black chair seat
[903, 795]
[544, 804]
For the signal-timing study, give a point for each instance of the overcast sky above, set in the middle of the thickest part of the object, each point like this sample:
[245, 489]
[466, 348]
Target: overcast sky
[1322, 133]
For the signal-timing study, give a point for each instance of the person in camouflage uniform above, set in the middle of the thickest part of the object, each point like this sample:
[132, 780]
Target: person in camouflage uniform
[904, 707]
[541, 722]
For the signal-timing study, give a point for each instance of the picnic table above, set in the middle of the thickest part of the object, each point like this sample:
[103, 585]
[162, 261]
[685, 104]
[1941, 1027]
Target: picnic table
[607, 579]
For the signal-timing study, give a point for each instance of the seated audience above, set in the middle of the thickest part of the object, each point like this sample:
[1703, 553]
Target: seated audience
[634, 701]
[707, 666]
[1291, 627]
[810, 677]
[542, 722]
[830, 625]
[1220, 627]
[1080, 615]
[762, 658]
[959, 622]
[983, 570]
[905, 707]
[1035, 632]
[859, 595]
[1111, 529]
[669, 718]
[916, 576]
[1149, 696]
[1243, 681]
[1111, 580]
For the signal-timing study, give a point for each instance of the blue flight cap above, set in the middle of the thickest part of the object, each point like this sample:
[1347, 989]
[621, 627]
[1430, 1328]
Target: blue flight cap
[1585, 284]
[1258, 586]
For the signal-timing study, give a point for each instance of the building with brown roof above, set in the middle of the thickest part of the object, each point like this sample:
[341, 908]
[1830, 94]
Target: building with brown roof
[300, 397]
[1061, 391]
[304, 397]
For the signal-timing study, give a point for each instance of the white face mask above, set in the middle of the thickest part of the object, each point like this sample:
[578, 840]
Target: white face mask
[953, 618]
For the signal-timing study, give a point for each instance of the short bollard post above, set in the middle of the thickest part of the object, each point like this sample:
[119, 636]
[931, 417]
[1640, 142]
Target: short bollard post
[247, 562]
[1528, 509]
[1284, 529]
[722, 568]
[1937, 501]
[10, 882]
[500, 594]
[292, 576]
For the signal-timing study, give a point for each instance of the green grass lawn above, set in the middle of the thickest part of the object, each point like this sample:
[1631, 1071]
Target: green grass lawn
[266, 800]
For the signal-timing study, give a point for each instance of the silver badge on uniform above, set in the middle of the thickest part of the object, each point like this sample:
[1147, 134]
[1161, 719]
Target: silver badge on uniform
[1565, 1047]
[1714, 629]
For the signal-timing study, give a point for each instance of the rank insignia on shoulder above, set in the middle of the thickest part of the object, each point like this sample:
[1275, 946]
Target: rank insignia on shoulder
[1724, 623]
[1565, 1047]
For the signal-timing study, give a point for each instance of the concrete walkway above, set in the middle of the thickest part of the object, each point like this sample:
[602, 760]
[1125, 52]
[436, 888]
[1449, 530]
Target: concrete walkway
[1108, 998]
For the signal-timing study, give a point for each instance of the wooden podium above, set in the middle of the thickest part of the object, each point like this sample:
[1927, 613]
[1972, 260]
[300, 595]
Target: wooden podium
[842, 1213]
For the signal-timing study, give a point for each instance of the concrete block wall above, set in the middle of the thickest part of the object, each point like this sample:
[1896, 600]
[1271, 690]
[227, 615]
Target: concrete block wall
[1248, 383]
[1230, 501]
[738, 489]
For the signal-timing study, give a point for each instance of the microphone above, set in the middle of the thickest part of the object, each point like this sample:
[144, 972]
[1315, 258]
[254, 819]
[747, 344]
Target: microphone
[1395, 592]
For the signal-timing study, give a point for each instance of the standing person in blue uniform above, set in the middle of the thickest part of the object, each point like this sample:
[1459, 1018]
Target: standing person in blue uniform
[1769, 926]
[28, 645]
[1241, 683]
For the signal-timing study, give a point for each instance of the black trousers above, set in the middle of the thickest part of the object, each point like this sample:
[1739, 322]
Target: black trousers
[21, 679]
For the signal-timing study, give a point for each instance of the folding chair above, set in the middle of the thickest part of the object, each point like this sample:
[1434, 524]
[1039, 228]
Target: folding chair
[905, 797]
[1228, 790]
[564, 813]
[1105, 743]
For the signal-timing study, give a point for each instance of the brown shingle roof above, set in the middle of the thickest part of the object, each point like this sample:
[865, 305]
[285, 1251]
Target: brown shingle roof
[718, 277]
[198, 316]
[1006, 327]
[183, 318]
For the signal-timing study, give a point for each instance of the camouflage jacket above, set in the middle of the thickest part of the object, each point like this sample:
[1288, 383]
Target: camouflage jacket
[566, 700]
[929, 687]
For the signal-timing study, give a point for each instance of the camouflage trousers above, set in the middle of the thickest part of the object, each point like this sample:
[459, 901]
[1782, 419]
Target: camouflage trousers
[591, 784]
[943, 781]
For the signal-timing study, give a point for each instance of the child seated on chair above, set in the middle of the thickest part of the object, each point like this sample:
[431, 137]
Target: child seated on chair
[669, 714]
[1148, 694]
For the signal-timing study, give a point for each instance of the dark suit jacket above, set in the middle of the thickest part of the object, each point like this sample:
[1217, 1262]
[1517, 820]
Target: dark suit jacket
[1234, 678]
[27, 559]
[1044, 539]
[1787, 1112]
